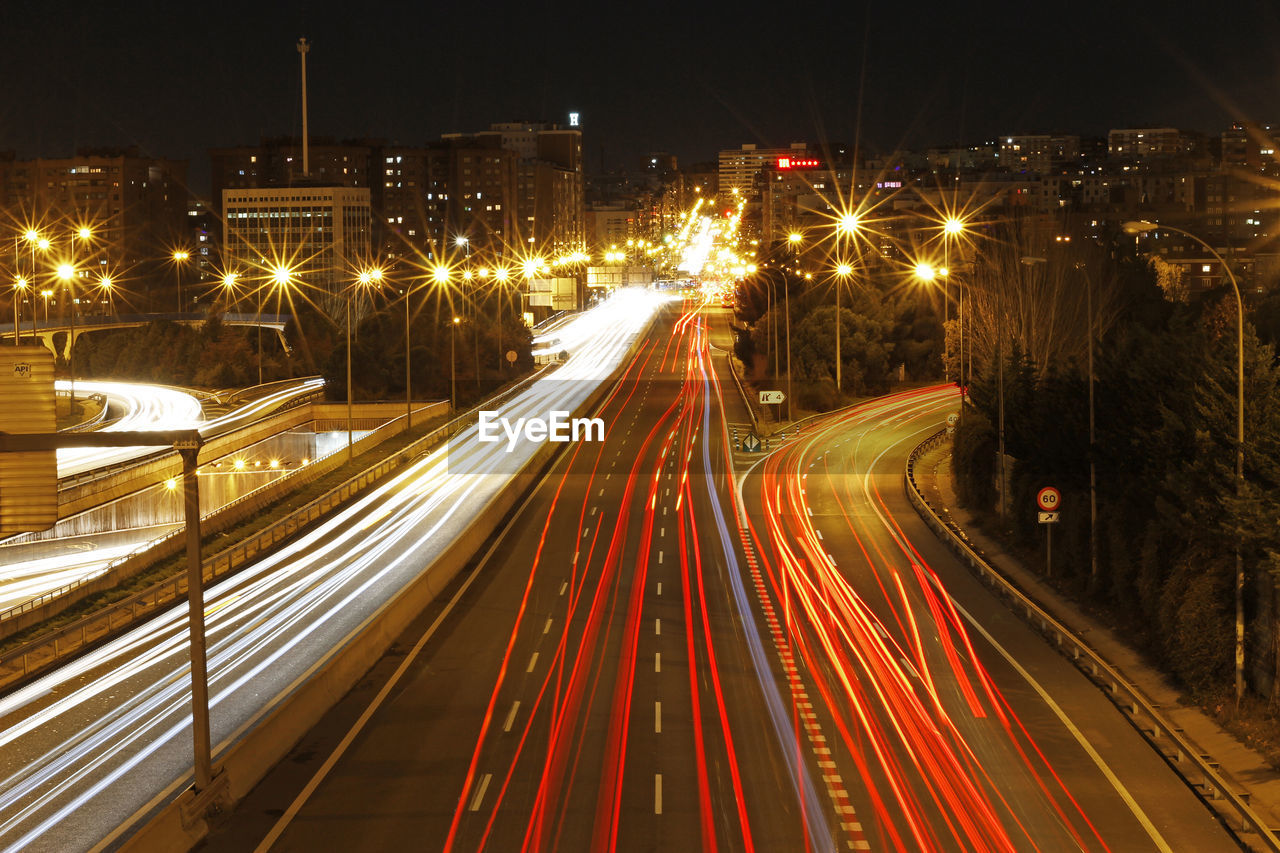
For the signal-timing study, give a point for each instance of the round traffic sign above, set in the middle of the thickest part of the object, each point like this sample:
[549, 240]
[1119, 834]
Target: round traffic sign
[1049, 499]
[511, 356]
[952, 418]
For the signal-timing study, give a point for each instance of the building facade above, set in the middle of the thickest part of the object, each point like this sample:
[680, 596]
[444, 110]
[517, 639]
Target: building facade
[320, 235]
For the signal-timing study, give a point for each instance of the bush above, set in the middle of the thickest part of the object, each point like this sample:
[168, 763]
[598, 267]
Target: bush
[974, 458]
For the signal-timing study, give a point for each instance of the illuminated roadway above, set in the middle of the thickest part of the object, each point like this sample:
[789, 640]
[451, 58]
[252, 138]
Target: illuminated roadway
[88, 750]
[622, 673]
[31, 566]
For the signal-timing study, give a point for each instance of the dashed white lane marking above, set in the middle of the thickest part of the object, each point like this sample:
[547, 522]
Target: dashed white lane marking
[600, 493]
[479, 797]
[662, 531]
[511, 716]
[593, 510]
[533, 661]
[585, 531]
[659, 558]
[659, 587]
[657, 661]
[657, 717]
[664, 510]
[832, 559]
[563, 587]
[657, 793]
[547, 627]
[819, 532]
[575, 556]
[809, 510]
[657, 626]
[607, 476]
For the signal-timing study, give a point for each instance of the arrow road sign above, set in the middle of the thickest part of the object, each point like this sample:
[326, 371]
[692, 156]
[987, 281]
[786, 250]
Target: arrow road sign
[1048, 517]
[772, 397]
[751, 443]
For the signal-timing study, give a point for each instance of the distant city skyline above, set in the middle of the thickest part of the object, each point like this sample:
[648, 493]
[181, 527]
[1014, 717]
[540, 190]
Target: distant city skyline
[176, 82]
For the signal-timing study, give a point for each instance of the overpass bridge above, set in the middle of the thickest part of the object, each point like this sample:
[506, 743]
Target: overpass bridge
[95, 323]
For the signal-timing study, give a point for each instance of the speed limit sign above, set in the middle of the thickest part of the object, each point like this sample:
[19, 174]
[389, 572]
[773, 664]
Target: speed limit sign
[1049, 499]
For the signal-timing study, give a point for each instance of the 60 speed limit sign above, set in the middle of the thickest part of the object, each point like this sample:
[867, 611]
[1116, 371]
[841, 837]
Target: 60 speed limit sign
[1049, 499]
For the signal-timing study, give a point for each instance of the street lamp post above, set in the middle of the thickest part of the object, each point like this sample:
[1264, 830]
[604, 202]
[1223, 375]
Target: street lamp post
[179, 259]
[366, 279]
[281, 276]
[66, 273]
[19, 289]
[453, 367]
[1143, 226]
[848, 225]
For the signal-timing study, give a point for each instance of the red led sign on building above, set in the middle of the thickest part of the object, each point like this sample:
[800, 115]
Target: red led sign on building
[797, 163]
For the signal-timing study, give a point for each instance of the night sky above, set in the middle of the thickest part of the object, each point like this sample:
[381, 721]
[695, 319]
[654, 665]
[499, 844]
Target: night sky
[177, 79]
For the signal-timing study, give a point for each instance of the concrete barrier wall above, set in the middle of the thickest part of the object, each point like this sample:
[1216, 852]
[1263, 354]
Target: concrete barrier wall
[299, 708]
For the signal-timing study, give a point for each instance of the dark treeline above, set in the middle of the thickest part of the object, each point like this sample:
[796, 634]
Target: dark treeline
[213, 355]
[889, 329]
[1165, 412]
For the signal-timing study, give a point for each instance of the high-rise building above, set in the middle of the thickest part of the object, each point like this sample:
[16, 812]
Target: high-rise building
[319, 234]
[1038, 153]
[550, 187]
[135, 207]
[740, 166]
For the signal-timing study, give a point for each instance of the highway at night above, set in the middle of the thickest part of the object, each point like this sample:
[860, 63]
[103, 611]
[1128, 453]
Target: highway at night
[644, 663]
[89, 749]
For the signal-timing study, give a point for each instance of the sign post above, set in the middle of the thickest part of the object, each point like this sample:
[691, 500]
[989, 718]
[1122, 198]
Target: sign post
[1048, 499]
[773, 398]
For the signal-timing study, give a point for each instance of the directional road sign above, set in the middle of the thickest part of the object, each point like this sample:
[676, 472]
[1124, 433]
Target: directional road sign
[1048, 517]
[772, 397]
[751, 443]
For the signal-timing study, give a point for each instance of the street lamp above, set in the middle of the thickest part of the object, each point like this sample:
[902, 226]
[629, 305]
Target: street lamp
[500, 277]
[19, 292]
[367, 278]
[179, 259]
[229, 281]
[281, 276]
[66, 273]
[453, 367]
[108, 287]
[1141, 227]
[952, 228]
[848, 225]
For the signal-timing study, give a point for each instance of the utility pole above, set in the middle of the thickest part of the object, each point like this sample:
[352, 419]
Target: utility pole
[303, 48]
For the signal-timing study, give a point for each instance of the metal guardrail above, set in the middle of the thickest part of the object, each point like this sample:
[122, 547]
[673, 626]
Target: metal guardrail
[31, 657]
[1186, 759]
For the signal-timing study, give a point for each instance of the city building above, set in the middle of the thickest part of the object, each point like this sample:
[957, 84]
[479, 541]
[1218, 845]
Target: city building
[738, 167]
[1039, 153]
[135, 207]
[319, 234]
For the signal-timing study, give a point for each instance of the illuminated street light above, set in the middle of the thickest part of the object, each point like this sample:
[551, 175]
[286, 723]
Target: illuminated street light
[281, 276]
[367, 278]
[19, 287]
[179, 259]
[67, 273]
